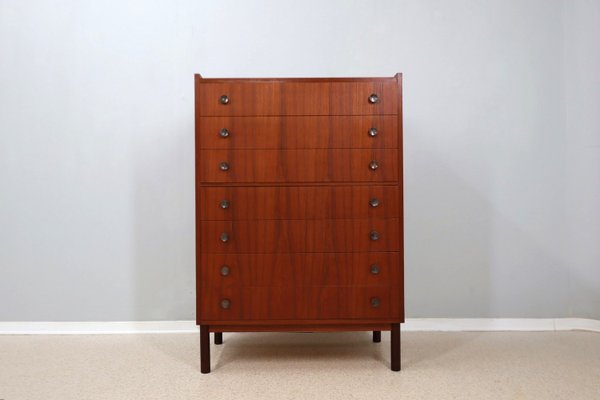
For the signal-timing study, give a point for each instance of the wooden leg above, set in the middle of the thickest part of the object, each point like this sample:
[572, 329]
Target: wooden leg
[376, 336]
[218, 337]
[204, 349]
[395, 347]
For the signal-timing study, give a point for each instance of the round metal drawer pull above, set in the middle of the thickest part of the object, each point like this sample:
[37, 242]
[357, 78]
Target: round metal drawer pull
[225, 270]
[224, 133]
[224, 99]
[225, 304]
[373, 98]
[224, 166]
[374, 202]
[224, 237]
[224, 204]
[374, 235]
[373, 132]
[375, 302]
[373, 165]
[375, 269]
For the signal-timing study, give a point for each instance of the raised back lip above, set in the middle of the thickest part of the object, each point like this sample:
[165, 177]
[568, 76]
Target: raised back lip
[292, 79]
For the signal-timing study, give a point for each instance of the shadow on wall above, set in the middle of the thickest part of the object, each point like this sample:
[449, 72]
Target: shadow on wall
[164, 223]
[448, 239]
[477, 245]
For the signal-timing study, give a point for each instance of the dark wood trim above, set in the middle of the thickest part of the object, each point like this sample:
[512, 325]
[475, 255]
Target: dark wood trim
[303, 323]
[376, 336]
[395, 346]
[204, 349]
[317, 327]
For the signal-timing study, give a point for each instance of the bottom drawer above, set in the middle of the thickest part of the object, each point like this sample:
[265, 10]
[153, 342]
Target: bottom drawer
[311, 302]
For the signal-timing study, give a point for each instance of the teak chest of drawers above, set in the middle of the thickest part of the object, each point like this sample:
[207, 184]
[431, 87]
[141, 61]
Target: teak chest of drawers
[299, 207]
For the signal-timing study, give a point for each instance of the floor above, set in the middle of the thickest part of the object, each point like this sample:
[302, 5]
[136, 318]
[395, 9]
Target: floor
[466, 365]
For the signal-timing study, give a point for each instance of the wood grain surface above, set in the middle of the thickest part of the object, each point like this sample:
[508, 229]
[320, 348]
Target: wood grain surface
[297, 98]
[293, 166]
[298, 202]
[298, 216]
[309, 302]
[299, 132]
[299, 236]
[300, 269]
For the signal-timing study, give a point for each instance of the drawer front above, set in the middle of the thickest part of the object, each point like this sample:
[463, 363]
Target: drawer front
[279, 166]
[298, 132]
[298, 236]
[314, 302]
[298, 202]
[300, 269]
[297, 98]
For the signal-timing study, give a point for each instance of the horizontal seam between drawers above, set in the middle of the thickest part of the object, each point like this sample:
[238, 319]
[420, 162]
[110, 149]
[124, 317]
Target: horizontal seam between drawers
[295, 115]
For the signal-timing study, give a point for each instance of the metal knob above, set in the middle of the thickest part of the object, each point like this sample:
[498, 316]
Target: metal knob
[374, 202]
[225, 270]
[224, 133]
[225, 99]
[225, 237]
[375, 302]
[373, 165]
[224, 204]
[374, 235]
[226, 303]
[224, 166]
[373, 98]
[375, 269]
[373, 132]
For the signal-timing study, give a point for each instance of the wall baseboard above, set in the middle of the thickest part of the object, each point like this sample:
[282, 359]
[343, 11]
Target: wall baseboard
[411, 325]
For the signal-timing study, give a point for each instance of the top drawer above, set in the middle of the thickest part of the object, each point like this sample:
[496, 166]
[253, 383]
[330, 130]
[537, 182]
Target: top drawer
[296, 97]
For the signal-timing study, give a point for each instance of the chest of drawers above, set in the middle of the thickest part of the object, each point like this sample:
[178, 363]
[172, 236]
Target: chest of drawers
[299, 207]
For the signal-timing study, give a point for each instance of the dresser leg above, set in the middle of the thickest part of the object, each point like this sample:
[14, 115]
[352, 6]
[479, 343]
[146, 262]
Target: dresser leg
[218, 337]
[376, 336]
[395, 347]
[204, 349]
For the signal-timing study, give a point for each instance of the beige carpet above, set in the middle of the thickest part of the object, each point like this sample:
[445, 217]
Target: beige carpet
[498, 365]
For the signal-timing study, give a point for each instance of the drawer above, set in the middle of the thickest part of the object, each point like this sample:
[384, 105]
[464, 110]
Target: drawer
[298, 202]
[297, 97]
[298, 236]
[294, 166]
[314, 302]
[300, 269]
[298, 132]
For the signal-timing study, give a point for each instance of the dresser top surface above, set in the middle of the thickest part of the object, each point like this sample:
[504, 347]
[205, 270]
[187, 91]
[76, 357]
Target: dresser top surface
[315, 79]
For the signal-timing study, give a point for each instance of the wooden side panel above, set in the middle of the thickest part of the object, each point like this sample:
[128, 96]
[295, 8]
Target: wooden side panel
[300, 269]
[297, 166]
[399, 292]
[298, 98]
[300, 236]
[299, 132]
[298, 202]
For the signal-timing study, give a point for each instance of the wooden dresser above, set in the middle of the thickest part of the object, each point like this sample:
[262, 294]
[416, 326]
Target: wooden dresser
[299, 211]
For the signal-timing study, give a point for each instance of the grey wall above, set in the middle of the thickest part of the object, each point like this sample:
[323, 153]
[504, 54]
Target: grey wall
[502, 145]
[582, 149]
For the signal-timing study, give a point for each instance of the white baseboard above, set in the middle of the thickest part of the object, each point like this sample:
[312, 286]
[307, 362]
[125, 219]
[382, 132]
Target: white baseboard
[91, 328]
[411, 325]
